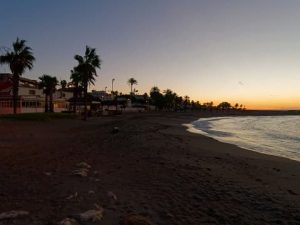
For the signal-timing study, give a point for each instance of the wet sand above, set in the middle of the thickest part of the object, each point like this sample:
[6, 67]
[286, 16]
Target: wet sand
[153, 166]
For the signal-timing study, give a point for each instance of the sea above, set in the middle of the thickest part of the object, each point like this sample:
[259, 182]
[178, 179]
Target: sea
[273, 135]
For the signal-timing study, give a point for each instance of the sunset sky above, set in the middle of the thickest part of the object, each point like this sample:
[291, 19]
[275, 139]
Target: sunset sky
[234, 50]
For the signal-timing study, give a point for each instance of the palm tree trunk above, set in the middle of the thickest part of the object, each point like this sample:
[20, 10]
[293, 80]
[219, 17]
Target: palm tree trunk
[46, 103]
[75, 99]
[131, 89]
[51, 101]
[15, 92]
[85, 101]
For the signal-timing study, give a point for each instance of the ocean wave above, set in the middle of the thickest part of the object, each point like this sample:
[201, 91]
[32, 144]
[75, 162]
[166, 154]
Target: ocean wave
[275, 135]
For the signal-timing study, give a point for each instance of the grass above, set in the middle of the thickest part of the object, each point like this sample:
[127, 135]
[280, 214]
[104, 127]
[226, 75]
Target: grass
[37, 116]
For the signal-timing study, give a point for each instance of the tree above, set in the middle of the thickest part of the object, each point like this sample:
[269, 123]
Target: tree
[157, 98]
[186, 102]
[19, 59]
[170, 98]
[75, 79]
[208, 106]
[131, 82]
[86, 69]
[48, 84]
[178, 103]
[224, 106]
[236, 106]
[63, 85]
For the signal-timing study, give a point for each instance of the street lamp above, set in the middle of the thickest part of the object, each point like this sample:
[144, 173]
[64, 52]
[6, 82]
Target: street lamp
[105, 89]
[112, 85]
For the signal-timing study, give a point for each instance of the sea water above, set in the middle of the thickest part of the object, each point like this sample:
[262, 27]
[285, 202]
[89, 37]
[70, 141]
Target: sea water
[274, 135]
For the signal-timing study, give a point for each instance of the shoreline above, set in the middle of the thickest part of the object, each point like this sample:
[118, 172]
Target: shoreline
[154, 167]
[191, 128]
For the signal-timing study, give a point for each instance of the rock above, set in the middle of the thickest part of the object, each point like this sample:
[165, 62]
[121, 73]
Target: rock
[13, 214]
[68, 221]
[134, 219]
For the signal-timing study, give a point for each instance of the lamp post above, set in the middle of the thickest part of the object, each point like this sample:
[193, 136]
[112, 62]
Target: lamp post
[105, 89]
[112, 84]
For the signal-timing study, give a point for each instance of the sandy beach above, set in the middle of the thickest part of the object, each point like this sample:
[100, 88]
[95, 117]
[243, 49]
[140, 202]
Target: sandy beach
[152, 167]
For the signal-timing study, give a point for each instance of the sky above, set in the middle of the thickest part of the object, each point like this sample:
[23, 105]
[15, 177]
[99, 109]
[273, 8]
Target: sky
[211, 50]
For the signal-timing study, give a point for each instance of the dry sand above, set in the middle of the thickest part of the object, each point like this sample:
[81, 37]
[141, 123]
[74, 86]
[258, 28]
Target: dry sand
[153, 166]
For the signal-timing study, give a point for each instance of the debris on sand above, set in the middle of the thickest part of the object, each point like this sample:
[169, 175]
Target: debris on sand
[82, 169]
[83, 165]
[74, 196]
[68, 221]
[115, 130]
[134, 219]
[83, 172]
[91, 192]
[48, 174]
[92, 214]
[13, 214]
[112, 196]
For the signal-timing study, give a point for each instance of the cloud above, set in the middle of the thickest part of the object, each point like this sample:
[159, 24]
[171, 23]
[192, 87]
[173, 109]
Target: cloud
[241, 83]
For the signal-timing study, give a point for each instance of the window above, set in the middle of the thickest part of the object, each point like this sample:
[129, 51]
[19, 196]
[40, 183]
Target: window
[32, 92]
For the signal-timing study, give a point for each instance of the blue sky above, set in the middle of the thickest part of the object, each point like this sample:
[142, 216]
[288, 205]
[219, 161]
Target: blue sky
[237, 51]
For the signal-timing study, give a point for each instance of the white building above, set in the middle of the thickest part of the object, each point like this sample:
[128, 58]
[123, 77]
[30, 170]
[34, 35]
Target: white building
[31, 97]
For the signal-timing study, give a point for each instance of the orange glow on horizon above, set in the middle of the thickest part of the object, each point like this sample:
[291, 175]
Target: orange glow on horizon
[292, 103]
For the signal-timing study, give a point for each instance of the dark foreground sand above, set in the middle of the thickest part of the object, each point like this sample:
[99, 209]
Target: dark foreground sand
[153, 166]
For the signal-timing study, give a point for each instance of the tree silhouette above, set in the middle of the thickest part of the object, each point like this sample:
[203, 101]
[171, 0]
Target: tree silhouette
[131, 82]
[86, 70]
[48, 83]
[236, 106]
[157, 98]
[75, 79]
[170, 98]
[63, 85]
[19, 59]
[224, 106]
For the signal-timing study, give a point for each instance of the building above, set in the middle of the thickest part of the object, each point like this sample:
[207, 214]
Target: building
[31, 97]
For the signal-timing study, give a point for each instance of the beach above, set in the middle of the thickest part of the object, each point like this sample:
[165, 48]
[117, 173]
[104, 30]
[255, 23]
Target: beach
[150, 166]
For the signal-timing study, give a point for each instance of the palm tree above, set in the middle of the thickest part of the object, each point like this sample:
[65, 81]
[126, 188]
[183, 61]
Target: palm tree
[75, 78]
[86, 69]
[63, 85]
[157, 98]
[48, 84]
[170, 98]
[131, 82]
[19, 59]
[236, 106]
